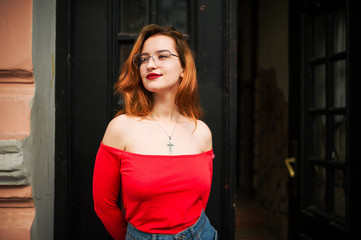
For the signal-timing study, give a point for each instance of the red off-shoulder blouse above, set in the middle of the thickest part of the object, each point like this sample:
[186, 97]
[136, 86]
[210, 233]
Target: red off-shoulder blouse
[162, 194]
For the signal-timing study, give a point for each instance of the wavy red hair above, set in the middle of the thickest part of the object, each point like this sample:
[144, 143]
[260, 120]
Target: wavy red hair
[138, 100]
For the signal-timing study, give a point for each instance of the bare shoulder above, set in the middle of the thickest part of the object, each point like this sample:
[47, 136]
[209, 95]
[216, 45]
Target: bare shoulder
[117, 131]
[204, 135]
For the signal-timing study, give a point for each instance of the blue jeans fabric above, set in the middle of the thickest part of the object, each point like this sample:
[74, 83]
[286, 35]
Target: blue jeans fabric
[201, 230]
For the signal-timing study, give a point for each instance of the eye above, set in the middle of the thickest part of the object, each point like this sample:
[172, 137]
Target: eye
[162, 55]
[143, 58]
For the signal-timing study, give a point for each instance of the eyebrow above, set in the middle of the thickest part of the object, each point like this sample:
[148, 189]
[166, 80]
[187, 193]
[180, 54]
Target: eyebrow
[155, 51]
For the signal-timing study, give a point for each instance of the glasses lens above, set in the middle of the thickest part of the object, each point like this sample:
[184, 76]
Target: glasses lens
[161, 55]
[136, 60]
[139, 59]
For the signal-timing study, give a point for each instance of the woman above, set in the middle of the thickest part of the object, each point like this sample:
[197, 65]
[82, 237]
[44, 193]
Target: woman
[156, 156]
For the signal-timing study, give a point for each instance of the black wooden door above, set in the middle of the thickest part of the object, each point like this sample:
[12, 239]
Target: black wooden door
[90, 45]
[323, 120]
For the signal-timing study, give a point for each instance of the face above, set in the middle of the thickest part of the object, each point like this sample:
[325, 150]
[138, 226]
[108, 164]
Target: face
[162, 75]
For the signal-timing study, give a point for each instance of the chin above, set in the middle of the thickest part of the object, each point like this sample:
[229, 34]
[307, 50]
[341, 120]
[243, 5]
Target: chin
[157, 87]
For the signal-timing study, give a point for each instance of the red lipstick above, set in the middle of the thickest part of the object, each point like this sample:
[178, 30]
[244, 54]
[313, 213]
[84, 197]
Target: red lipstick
[151, 76]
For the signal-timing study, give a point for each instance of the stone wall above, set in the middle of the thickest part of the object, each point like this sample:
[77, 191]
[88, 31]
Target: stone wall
[39, 146]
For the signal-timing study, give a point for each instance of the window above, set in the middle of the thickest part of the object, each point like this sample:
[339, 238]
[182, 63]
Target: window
[326, 111]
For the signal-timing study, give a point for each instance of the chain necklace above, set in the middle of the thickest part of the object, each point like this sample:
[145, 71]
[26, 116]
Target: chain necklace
[170, 144]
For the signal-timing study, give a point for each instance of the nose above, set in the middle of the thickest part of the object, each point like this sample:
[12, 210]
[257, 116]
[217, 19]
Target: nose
[151, 63]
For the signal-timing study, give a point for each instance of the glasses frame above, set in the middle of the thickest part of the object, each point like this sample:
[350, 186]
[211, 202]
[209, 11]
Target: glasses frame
[137, 63]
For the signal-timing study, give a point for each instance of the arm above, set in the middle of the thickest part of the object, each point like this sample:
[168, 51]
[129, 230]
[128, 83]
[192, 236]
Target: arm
[204, 135]
[205, 196]
[106, 188]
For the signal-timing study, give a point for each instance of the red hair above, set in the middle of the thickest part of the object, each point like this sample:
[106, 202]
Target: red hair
[138, 100]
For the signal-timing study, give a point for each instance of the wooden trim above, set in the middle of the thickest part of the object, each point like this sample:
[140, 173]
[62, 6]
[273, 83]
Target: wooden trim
[230, 122]
[62, 156]
[353, 112]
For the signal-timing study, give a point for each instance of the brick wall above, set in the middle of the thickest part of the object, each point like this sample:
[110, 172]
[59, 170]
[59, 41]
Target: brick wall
[16, 93]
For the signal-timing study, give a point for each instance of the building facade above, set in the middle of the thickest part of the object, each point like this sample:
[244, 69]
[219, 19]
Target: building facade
[27, 113]
[277, 82]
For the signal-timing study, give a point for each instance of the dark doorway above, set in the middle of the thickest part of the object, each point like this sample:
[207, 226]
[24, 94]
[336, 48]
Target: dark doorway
[90, 44]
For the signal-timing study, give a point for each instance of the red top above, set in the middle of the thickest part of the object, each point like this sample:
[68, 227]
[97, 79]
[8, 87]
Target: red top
[161, 193]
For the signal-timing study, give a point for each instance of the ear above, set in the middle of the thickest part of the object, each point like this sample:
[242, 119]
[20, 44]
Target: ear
[182, 74]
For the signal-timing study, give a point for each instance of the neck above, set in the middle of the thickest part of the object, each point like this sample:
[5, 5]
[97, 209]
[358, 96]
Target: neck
[165, 113]
[165, 109]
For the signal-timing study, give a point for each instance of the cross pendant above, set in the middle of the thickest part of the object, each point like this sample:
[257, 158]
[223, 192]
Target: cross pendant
[170, 145]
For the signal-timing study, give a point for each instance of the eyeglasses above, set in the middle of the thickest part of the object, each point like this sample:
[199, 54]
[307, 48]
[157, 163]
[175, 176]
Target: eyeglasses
[159, 58]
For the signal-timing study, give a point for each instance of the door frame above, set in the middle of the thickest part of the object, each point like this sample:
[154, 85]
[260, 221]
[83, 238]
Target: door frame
[294, 109]
[222, 120]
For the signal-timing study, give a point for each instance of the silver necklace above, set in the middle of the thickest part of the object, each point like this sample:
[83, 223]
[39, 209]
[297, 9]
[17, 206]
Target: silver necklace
[170, 144]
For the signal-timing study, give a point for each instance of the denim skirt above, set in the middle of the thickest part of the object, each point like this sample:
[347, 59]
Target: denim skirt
[201, 230]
